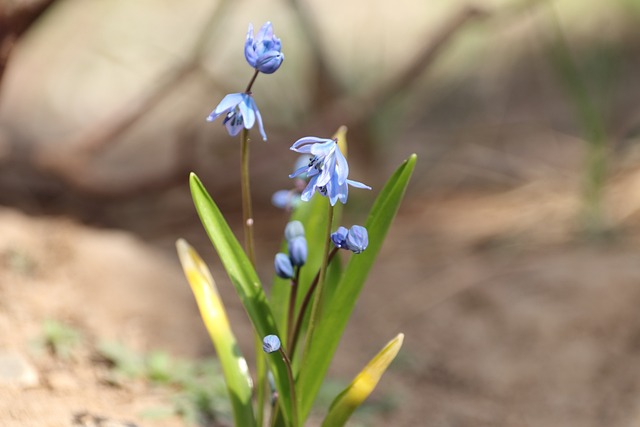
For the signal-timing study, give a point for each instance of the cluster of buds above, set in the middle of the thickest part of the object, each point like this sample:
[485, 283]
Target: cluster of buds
[297, 248]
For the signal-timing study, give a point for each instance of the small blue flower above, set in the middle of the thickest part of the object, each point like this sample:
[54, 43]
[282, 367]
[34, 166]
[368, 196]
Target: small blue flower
[240, 111]
[298, 251]
[283, 266]
[357, 239]
[339, 238]
[270, 344]
[293, 229]
[327, 170]
[285, 199]
[264, 52]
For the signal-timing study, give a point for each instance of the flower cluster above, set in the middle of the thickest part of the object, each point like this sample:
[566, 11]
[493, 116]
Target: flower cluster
[297, 248]
[327, 170]
[264, 54]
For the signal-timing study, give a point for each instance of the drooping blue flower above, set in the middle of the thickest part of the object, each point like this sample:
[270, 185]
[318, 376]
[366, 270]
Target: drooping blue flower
[264, 52]
[357, 239]
[327, 170]
[283, 266]
[270, 344]
[240, 111]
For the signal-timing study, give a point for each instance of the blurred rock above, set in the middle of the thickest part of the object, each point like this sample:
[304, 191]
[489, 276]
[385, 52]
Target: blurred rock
[15, 370]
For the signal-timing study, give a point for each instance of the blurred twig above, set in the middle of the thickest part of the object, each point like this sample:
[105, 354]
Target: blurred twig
[359, 112]
[76, 168]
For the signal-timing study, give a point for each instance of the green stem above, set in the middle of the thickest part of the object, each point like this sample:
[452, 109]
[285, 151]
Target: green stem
[247, 210]
[316, 308]
[292, 387]
[292, 306]
[253, 79]
[303, 307]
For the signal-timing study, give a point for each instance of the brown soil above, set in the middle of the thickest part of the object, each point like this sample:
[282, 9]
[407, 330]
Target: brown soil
[510, 319]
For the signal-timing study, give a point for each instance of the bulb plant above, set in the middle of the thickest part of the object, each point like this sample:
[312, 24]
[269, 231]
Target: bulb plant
[299, 323]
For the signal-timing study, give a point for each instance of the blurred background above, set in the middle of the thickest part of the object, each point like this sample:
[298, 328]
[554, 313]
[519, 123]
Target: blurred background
[512, 267]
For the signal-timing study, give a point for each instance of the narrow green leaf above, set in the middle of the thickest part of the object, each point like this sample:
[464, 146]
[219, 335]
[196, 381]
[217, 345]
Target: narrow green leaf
[362, 386]
[337, 310]
[244, 279]
[234, 366]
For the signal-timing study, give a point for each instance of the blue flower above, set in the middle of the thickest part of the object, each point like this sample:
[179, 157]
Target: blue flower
[339, 238]
[240, 111]
[327, 170]
[264, 52]
[285, 199]
[356, 239]
[270, 344]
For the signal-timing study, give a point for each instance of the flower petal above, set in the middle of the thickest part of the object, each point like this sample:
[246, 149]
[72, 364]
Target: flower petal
[304, 145]
[247, 107]
[358, 184]
[228, 103]
[342, 167]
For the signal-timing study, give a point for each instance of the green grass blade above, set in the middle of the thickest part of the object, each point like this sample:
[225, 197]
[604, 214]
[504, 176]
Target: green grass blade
[244, 279]
[337, 310]
[234, 366]
[362, 386]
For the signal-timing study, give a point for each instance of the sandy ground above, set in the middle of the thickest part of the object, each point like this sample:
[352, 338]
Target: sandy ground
[509, 321]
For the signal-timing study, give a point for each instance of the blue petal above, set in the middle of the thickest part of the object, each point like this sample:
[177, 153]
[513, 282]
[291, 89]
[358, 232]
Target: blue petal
[228, 103]
[304, 145]
[269, 62]
[247, 110]
[342, 167]
[324, 148]
[249, 48]
[270, 344]
[234, 127]
[307, 193]
[259, 118]
[266, 32]
[358, 184]
[299, 171]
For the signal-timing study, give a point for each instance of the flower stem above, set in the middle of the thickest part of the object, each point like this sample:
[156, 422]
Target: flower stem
[292, 306]
[253, 79]
[303, 307]
[292, 387]
[316, 308]
[247, 210]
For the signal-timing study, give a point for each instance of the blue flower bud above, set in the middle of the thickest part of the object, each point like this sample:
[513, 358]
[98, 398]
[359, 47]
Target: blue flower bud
[339, 238]
[270, 343]
[264, 52]
[298, 251]
[293, 229]
[283, 266]
[357, 239]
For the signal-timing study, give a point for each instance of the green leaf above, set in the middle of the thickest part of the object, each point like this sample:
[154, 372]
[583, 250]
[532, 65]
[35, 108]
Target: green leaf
[337, 309]
[234, 365]
[244, 279]
[362, 386]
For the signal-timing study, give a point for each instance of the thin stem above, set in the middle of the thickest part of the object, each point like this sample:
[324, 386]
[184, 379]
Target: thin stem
[303, 307]
[247, 210]
[253, 79]
[292, 306]
[261, 385]
[316, 308]
[292, 387]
